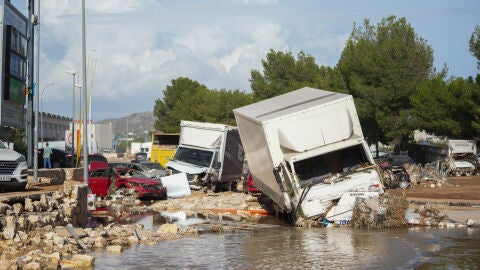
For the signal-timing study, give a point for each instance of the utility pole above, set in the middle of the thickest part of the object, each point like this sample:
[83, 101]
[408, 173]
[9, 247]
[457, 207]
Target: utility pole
[36, 23]
[84, 70]
[30, 45]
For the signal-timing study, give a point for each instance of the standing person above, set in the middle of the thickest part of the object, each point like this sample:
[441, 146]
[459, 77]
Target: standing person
[47, 152]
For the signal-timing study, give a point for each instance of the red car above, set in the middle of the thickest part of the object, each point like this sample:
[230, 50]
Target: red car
[101, 175]
[249, 185]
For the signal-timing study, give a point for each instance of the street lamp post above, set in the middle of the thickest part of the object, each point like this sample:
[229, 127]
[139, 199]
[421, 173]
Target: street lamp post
[41, 110]
[73, 117]
[84, 73]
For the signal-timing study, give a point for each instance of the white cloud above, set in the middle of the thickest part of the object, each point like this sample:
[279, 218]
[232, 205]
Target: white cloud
[141, 45]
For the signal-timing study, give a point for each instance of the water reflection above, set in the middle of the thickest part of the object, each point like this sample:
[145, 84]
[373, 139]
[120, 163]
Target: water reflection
[282, 247]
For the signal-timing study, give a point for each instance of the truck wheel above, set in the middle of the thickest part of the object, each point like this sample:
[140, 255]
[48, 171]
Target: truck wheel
[231, 186]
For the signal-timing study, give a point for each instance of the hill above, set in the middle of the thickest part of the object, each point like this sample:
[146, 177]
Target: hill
[136, 124]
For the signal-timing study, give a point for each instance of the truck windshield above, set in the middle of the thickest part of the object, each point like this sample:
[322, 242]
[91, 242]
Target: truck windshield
[194, 156]
[317, 168]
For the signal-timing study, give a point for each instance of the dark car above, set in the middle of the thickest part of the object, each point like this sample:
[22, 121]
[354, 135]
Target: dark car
[59, 158]
[141, 156]
[149, 169]
[398, 160]
[93, 157]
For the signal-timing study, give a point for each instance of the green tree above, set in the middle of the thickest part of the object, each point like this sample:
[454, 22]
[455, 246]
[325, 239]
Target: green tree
[448, 108]
[189, 100]
[282, 73]
[382, 67]
[178, 103]
[475, 44]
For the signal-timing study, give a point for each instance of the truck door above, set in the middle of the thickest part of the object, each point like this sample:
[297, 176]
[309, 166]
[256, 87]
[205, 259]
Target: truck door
[233, 157]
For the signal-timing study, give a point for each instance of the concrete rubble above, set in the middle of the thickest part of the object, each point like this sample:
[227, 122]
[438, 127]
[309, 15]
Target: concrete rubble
[35, 236]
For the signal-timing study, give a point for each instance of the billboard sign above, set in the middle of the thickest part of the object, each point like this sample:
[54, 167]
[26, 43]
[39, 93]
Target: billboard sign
[13, 54]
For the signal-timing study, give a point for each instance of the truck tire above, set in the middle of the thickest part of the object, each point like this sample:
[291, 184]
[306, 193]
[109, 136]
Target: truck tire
[232, 186]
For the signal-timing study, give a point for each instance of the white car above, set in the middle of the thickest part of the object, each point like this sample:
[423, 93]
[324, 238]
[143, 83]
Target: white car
[13, 169]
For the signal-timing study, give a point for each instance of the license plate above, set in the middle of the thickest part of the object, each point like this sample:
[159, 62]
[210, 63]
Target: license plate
[4, 178]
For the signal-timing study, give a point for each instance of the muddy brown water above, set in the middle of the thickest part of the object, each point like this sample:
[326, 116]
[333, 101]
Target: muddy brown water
[269, 244]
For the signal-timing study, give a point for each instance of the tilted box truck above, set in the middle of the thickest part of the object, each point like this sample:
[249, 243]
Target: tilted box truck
[306, 149]
[210, 154]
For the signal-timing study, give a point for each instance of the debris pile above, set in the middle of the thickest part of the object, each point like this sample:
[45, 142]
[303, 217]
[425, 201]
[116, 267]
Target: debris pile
[426, 215]
[386, 211]
[202, 202]
[430, 173]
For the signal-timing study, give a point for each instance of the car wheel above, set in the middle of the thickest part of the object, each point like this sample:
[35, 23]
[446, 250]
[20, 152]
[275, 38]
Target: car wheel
[56, 164]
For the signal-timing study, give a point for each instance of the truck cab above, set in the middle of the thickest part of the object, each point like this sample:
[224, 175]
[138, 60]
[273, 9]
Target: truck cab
[210, 154]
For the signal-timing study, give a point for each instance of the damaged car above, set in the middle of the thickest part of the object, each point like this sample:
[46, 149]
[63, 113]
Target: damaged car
[103, 180]
[141, 168]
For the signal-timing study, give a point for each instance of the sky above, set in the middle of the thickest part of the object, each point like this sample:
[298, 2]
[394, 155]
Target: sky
[135, 48]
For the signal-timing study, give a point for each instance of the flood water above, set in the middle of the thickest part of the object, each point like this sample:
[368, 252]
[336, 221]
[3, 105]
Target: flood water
[283, 247]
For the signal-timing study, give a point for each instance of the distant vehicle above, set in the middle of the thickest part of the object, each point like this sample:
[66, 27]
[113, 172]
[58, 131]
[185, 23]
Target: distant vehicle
[141, 156]
[101, 176]
[13, 169]
[249, 185]
[59, 158]
[399, 160]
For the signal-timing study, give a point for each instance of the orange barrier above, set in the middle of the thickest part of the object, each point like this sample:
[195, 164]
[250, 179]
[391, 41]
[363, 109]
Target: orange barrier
[250, 212]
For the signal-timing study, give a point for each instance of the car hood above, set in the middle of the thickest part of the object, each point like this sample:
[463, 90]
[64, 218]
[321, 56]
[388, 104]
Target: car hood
[186, 168]
[138, 180]
[9, 155]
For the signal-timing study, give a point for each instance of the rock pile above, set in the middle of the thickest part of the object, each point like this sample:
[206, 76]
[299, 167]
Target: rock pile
[202, 202]
[36, 235]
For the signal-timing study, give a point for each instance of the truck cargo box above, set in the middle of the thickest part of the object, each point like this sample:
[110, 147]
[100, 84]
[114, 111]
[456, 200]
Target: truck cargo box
[306, 148]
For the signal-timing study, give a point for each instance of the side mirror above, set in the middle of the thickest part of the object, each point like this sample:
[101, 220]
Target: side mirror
[217, 165]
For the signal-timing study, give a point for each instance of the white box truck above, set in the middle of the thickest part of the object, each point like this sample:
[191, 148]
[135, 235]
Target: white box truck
[306, 149]
[210, 154]
[462, 159]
